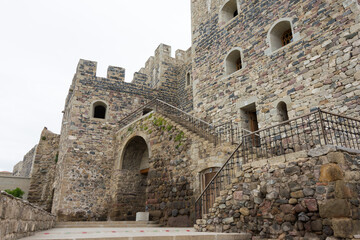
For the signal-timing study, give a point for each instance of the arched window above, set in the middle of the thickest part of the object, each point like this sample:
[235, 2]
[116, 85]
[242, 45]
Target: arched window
[188, 79]
[99, 110]
[280, 35]
[228, 11]
[233, 62]
[282, 111]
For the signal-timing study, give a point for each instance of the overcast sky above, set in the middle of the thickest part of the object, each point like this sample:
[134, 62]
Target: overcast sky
[41, 42]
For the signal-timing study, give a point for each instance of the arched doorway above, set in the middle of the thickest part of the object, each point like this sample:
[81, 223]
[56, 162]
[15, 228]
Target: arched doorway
[132, 180]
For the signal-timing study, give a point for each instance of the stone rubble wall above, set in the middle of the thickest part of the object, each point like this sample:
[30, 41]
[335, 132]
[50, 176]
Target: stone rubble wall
[43, 170]
[19, 218]
[321, 70]
[311, 194]
[177, 156]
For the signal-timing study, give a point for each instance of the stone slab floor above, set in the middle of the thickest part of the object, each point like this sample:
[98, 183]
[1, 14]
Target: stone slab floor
[132, 234]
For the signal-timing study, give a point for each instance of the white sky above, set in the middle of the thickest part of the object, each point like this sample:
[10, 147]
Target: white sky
[41, 42]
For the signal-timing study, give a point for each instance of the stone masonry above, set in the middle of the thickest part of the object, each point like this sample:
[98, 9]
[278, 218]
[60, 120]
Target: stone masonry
[312, 195]
[18, 218]
[235, 70]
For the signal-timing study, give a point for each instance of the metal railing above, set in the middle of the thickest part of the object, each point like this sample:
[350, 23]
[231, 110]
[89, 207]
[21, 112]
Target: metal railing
[301, 133]
[197, 125]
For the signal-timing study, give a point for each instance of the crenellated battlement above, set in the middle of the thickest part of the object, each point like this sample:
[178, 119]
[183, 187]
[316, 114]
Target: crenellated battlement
[116, 73]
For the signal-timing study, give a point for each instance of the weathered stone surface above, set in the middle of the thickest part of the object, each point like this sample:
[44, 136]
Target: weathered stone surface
[19, 218]
[311, 204]
[330, 172]
[343, 227]
[297, 194]
[335, 208]
[320, 151]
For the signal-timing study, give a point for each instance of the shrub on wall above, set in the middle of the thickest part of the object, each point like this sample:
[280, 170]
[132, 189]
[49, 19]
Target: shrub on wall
[17, 192]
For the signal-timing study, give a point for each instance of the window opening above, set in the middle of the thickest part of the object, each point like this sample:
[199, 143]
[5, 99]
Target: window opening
[146, 111]
[228, 11]
[188, 79]
[233, 62]
[99, 112]
[283, 112]
[287, 37]
[236, 13]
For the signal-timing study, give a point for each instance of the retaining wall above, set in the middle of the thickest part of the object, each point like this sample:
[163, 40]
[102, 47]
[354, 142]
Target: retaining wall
[19, 218]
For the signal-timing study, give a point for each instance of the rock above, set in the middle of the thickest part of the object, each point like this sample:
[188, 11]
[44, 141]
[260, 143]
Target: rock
[335, 208]
[222, 206]
[316, 225]
[272, 195]
[342, 191]
[308, 192]
[286, 226]
[342, 227]
[327, 230]
[330, 172]
[228, 220]
[299, 208]
[336, 157]
[201, 222]
[244, 211]
[297, 194]
[320, 151]
[174, 212]
[303, 217]
[287, 208]
[292, 170]
[320, 189]
[311, 204]
[293, 201]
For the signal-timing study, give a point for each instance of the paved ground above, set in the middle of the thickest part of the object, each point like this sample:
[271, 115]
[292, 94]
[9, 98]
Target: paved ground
[132, 234]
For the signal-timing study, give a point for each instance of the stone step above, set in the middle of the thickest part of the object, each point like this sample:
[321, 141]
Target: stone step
[109, 224]
[134, 234]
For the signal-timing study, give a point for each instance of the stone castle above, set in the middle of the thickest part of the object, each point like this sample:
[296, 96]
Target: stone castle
[254, 70]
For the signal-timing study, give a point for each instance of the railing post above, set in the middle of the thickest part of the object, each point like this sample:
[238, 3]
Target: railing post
[322, 126]
[231, 132]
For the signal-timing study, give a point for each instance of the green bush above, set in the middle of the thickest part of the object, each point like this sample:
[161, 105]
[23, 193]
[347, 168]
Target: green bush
[17, 192]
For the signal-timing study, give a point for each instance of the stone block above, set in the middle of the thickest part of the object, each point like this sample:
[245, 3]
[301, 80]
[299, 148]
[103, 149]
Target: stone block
[311, 204]
[330, 172]
[335, 208]
[320, 151]
[142, 216]
[297, 194]
[342, 227]
[336, 157]
[342, 191]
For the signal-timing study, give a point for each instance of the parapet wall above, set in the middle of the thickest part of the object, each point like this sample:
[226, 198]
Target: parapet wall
[19, 218]
[311, 194]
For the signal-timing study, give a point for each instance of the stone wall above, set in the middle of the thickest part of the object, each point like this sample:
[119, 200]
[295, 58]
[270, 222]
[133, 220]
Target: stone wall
[85, 155]
[11, 182]
[176, 157]
[319, 69]
[23, 168]
[311, 194]
[43, 173]
[20, 219]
